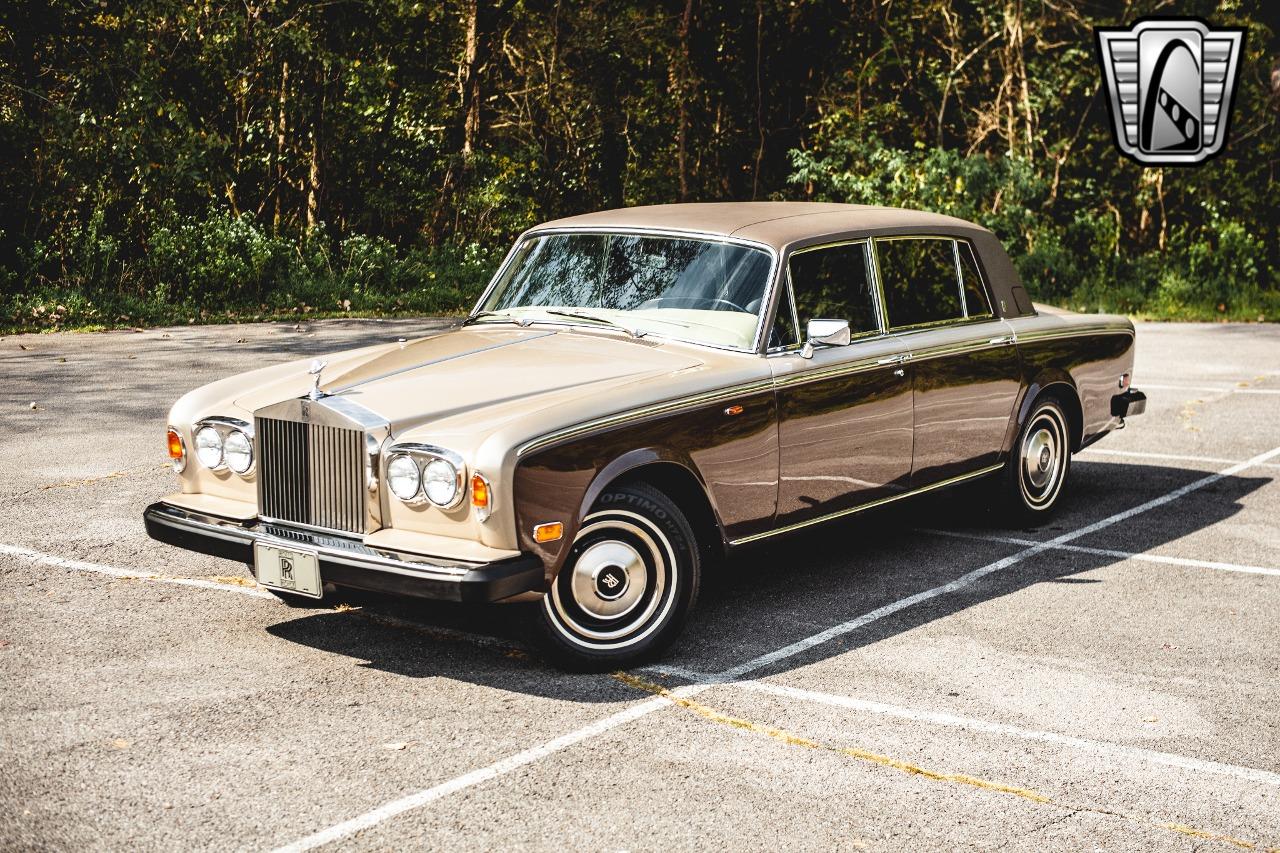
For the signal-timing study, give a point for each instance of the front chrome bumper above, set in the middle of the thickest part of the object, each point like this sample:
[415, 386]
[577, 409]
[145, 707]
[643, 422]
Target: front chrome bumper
[348, 562]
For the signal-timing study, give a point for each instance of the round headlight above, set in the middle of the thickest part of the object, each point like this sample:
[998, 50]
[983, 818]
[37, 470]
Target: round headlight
[440, 482]
[403, 477]
[237, 450]
[209, 447]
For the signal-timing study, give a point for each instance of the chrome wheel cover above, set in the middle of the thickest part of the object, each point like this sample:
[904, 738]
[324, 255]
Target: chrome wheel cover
[619, 585]
[1042, 458]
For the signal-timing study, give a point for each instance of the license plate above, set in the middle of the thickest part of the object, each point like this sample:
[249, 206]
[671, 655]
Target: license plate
[288, 570]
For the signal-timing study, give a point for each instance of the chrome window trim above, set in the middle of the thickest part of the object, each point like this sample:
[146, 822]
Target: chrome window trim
[869, 505]
[982, 281]
[955, 321]
[766, 299]
[955, 261]
[877, 294]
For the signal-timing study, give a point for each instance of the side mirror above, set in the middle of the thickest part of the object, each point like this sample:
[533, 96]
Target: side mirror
[834, 333]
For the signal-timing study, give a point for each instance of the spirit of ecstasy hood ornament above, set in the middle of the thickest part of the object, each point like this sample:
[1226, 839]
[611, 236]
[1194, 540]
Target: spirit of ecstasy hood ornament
[315, 369]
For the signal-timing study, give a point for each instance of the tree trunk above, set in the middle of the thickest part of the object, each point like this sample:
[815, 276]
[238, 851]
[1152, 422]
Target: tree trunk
[682, 93]
[315, 173]
[277, 158]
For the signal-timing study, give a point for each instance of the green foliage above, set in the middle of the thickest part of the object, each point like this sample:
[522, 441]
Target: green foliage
[221, 267]
[171, 161]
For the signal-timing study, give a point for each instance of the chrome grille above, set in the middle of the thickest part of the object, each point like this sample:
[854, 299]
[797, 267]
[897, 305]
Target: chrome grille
[311, 474]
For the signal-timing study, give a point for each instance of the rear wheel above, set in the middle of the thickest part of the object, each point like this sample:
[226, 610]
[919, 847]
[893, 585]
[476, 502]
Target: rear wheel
[1041, 460]
[629, 582]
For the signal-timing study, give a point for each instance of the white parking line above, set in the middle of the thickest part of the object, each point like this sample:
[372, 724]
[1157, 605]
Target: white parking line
[968, 580]
[521, 759]
[1168, 759]
[1107, 552]
[1174, 457]
[1222, 389]
[98, 568]
[475, 777]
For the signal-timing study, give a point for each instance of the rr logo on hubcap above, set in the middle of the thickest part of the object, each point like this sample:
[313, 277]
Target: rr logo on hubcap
[611, 583]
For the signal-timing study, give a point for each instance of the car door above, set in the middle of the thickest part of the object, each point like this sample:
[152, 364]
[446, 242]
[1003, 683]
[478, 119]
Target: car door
[844, 412]
[965, 363]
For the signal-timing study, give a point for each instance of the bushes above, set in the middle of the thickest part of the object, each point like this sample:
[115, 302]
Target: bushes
[221, 266]
[1072, 248]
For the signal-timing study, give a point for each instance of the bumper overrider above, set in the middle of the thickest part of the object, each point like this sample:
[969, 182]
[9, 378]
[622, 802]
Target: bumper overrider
[1128, 404]
[348, 562]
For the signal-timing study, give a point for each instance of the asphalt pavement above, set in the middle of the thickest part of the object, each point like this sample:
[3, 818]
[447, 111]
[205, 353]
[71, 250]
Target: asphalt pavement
[919, 677]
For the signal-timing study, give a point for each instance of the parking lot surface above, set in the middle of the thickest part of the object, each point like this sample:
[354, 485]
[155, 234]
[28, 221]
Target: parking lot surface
[916, 677]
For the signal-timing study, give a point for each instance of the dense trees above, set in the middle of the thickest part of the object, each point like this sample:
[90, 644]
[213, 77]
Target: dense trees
[166, 158]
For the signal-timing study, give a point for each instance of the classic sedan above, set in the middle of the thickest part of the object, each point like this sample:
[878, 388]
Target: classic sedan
[640, 392]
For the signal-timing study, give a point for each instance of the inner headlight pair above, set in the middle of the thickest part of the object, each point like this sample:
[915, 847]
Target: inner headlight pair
[423, 471]
[224, 443]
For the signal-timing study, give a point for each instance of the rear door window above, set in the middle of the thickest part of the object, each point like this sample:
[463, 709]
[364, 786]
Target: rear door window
[921, 283]
[834, 283]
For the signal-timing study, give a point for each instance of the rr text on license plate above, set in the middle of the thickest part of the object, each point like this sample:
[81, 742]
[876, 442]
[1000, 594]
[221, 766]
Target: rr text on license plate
[288, 570]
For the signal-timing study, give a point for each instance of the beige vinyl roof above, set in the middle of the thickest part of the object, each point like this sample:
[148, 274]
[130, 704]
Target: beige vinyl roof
[775, 223]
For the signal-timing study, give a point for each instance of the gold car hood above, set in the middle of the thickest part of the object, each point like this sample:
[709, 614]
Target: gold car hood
[490, 375]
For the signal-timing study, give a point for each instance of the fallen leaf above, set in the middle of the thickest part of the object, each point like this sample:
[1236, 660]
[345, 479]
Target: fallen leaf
[121, 743]
[62, 361]
[396, 746]
[1149, 719]
[23, 346]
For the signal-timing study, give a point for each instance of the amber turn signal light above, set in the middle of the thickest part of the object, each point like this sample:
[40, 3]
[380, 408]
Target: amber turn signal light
[481, 499]
[548, 532]
[177, 451]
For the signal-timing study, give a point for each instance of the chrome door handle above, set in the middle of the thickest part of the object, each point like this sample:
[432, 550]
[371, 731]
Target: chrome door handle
[1004, 339]
[893, 359]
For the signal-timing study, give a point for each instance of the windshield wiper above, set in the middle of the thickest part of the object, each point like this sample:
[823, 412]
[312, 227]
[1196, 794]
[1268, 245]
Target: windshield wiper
[519, 321]
[578, 315]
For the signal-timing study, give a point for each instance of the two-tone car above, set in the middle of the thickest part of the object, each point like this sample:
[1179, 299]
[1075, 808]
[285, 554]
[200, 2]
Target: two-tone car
[640, 392]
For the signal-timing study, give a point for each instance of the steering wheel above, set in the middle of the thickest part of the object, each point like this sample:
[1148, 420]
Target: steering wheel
[697, 300]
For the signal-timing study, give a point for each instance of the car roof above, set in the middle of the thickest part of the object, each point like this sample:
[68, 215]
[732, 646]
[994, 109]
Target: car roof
[774, 223]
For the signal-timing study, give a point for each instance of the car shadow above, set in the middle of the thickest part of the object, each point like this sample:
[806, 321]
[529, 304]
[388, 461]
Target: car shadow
[785, 591]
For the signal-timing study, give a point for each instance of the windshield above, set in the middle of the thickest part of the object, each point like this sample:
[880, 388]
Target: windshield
[693, 290]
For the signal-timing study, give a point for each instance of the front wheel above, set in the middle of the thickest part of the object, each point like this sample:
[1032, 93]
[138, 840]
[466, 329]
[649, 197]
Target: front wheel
[1038, 467]
[628, 584]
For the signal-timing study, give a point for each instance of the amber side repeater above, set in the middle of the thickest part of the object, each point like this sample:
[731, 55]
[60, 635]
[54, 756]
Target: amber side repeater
[549, 532]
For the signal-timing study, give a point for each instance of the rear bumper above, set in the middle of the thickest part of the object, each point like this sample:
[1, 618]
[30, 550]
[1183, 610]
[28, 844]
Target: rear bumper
[1128, 404]
[346, 561]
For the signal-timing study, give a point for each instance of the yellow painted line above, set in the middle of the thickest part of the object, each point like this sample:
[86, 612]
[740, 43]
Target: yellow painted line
[708, 713]
[114, 475]
[1209, 836]
[790, 739]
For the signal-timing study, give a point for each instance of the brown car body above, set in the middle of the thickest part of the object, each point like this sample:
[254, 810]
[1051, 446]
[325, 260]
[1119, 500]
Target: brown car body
[750, 442]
